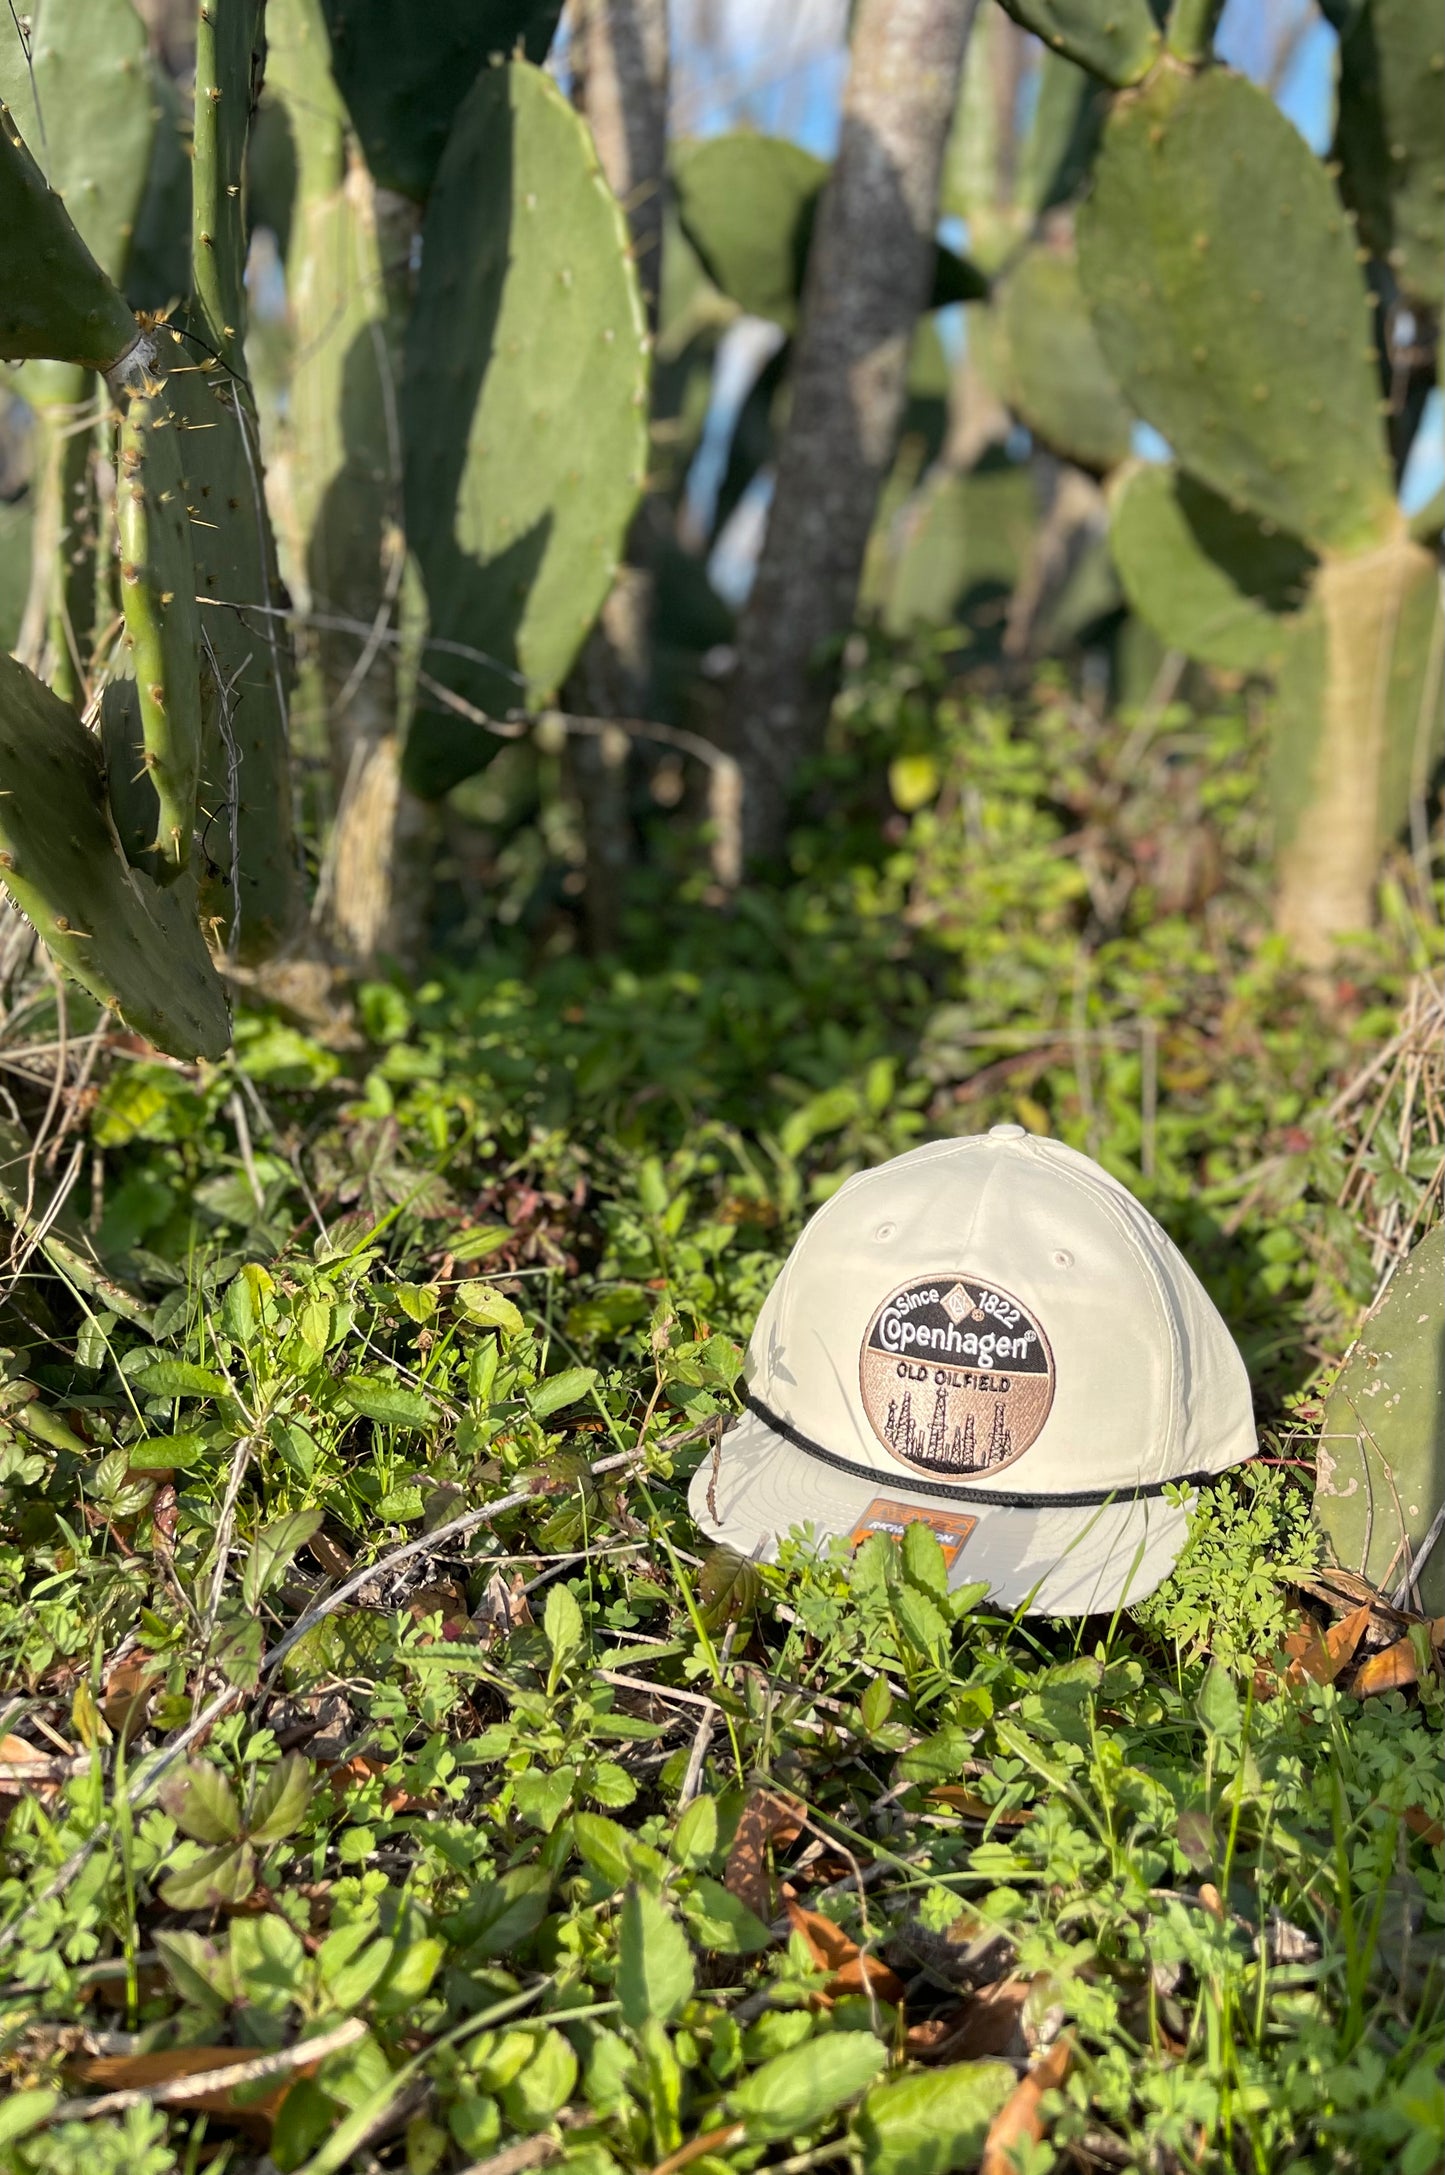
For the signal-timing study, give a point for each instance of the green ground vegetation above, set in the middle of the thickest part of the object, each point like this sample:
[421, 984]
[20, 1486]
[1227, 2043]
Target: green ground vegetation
[556, 1830]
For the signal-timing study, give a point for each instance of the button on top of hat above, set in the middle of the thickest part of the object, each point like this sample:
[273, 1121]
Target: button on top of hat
[1007, 1132]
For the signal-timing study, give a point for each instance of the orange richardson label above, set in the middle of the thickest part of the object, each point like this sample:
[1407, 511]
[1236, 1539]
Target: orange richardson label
[885, 1514]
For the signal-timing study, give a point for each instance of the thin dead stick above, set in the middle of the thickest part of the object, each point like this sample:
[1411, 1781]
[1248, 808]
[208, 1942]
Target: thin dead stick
[702, 1740]
[177, 2090]
[148, 1779]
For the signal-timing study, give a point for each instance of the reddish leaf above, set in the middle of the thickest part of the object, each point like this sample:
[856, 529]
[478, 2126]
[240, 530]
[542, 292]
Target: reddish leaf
[988, 2024]
[1420, 1823]
[1388, 1671]
[766, 1818]
[1018, 2121]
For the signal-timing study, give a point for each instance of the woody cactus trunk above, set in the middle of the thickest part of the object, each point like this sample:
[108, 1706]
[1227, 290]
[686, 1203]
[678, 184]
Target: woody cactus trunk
[1226, 277]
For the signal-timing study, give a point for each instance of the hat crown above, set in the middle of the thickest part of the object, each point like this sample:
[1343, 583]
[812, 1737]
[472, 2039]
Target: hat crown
[1000, 1310]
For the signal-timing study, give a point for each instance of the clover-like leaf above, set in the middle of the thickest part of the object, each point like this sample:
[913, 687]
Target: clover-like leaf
[279, 1806]
[202, 1803]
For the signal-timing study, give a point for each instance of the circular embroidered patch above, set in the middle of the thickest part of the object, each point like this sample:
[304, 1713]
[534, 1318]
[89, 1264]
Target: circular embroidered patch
[957, 1376]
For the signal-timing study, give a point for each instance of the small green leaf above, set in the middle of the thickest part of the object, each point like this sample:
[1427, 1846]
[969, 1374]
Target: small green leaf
[721, 1921]
[655, 1974]
[164, 1453]
[608, 1784]
[273, 1549]
[281, 1802]
[1218, 1705]
[219, 1876]
[798, 2090]
[694, 1839]
[23, 2112]
[542, 1798]
[199, 1971]
[544, 2084]
[923, 1560]
[501, 1913]
[177, 1378]
[729, 1588]
[202, 1803]
[269, 1961]
[483, 1303]
[387, 1403]
[481, 1239]
[931, 2121]
[562, 1623]
[604, 1846]
[559, 1391]
[876, 1705]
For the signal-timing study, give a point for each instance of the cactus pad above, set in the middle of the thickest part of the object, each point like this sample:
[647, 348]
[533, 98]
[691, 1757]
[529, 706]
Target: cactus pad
[1381, 1463]
[747, 205]
[158, 599]
[1220, 271]
[1356, 732]
[89, 114]
[125, 939]
[1050, 367]
[524, 401]
[245, 796]
[960, 550]
[55, 300]
[227, 69]
[1118, 41]
[1209, 581]
[405, 68]
[1390, 136]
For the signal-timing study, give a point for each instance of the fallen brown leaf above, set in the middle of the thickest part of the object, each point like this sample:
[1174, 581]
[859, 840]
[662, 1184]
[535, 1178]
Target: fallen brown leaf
[1420, 1823]
[833, 1950]
[766, 1818]
[1388, 1671]
[1312, 1656]
[1019, 2121]
[989, 2023]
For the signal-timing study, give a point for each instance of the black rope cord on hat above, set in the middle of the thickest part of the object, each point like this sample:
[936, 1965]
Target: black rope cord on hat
[993, 1498]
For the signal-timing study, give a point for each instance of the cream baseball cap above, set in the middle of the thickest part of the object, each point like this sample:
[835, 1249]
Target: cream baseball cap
[993, 1336]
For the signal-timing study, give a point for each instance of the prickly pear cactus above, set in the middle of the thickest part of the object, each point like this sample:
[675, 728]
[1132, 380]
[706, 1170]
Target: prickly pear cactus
[524, 404]
[1002, 184]
[747, 204]
[129, 941]
[1051, 369]
[245, 816]
[158, 599]
[1355, 734]
[404, 70]
[1116, 39]
[343, 502]
[1390, 135]
[55, 301]
[86, 106]
[1220, 270]
[1380, 1486]
[1209, 580]
[960, 551]
[228, 68]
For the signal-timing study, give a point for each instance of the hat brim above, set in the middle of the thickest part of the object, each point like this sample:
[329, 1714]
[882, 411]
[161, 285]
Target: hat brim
[1049, 1562]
